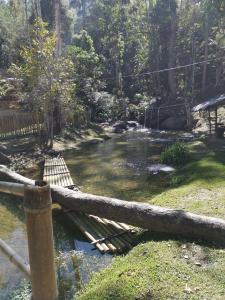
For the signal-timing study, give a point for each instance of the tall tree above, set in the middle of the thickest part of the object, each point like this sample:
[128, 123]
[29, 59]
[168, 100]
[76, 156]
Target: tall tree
[58, 27]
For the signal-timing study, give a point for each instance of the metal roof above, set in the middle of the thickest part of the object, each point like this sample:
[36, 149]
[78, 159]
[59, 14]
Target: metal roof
[213, 102]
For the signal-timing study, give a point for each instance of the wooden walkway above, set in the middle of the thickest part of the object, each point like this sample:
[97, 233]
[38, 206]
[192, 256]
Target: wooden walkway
[105, 235]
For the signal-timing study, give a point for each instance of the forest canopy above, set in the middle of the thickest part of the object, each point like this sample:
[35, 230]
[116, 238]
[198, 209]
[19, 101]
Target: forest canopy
[126, 54]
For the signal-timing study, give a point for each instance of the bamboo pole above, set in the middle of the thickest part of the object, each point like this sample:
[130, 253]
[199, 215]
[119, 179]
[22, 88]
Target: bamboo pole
[116, 225]
[103, 233]
[85, 231]
[111, 232]
[15, 258]
[93, 230]
[16, 189]
[37, 204]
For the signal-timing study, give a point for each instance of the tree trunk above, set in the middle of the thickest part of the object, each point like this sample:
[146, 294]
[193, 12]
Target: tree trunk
[204, 75]
[27, 22]
[219, 67]
[143, 215]
[119, 79]
[51, 130]
[58, 50]
[172, 58]
[83, 3]
[36, 8]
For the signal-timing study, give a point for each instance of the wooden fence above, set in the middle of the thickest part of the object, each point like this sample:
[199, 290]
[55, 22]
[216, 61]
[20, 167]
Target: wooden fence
[19, 124]
[38, 212]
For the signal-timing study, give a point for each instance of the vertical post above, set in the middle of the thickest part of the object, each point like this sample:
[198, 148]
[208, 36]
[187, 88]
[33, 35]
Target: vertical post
[210, 125]
[216, 118]
[37, 204]
[158, 118]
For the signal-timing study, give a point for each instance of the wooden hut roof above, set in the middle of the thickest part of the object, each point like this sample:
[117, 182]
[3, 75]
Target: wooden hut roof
[213, 102]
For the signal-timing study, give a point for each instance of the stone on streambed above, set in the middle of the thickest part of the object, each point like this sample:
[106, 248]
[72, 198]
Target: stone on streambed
[156, 168]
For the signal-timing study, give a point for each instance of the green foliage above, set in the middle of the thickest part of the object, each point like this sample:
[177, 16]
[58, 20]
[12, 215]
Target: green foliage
[44, 75]
[176, 154]
[111, 43]
[46, 84]
[87, 74]
[176, 180]
[6, 88]
[103, 104]
[23, 292]
[6, 36]
[88, 65]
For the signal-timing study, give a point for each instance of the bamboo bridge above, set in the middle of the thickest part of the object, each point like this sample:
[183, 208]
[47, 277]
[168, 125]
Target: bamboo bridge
[104, 234]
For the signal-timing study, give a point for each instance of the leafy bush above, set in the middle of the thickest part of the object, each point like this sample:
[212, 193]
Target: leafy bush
[176, 154]
[23, 292]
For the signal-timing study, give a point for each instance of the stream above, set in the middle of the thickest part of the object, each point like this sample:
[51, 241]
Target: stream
[120, 167]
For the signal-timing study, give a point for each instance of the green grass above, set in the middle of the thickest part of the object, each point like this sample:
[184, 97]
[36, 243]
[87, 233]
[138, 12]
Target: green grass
[159, 270]
[165, 267]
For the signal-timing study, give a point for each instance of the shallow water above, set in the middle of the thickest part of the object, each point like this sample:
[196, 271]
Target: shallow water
[119, 168]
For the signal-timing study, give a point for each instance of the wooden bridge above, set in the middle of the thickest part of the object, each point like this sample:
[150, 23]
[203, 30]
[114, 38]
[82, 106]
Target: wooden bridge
[105, 235]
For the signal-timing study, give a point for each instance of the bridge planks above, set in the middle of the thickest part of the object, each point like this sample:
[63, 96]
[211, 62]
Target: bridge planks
[104, 234]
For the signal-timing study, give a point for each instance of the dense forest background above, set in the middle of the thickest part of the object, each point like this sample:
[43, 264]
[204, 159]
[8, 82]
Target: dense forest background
[124, 55]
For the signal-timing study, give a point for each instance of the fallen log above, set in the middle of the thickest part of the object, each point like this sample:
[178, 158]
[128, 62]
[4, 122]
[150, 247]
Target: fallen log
[154, 218]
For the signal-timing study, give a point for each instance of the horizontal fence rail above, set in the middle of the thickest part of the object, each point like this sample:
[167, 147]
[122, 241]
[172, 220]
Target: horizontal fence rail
[20, 124]
[38, 212]
[15, 259]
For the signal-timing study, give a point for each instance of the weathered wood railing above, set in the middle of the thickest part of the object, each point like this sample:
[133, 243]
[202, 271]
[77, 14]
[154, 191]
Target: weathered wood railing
[20, 124]
[37, 205]
[15, 258]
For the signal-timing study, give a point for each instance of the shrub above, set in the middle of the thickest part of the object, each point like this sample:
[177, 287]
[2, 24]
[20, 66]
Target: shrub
[176, 154]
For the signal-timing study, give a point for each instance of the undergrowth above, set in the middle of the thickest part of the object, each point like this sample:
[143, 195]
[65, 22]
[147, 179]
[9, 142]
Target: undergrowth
[176, 154]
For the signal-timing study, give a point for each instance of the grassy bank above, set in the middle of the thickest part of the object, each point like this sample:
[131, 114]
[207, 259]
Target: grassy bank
[163, 267]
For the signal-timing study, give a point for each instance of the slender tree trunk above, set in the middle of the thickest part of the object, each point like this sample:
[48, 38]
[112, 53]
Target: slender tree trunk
[58, 50]
[219, 67]
[206, 50]
[37, 8]
[51, 129]
[172, 58]
[119, 79]
[84, 4]
[27, 21]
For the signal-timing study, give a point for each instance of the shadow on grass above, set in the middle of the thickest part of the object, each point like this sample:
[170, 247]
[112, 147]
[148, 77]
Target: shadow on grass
[148, 236]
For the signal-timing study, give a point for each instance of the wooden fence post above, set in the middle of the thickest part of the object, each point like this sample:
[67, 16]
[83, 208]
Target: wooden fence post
[37, 205]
